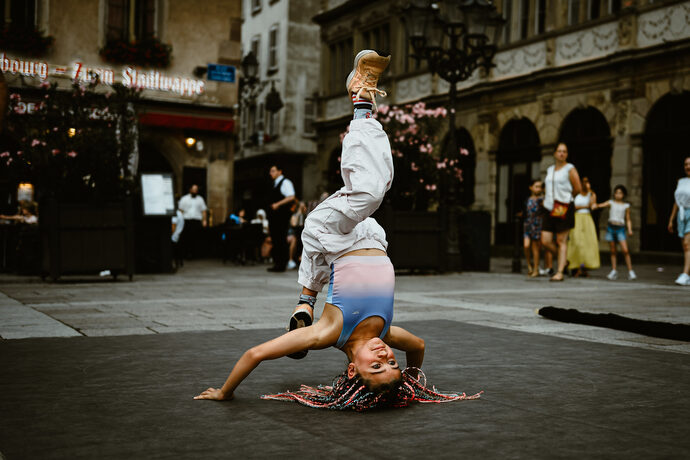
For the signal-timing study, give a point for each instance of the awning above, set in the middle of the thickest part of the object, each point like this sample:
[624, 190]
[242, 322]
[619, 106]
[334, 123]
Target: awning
[191, 122]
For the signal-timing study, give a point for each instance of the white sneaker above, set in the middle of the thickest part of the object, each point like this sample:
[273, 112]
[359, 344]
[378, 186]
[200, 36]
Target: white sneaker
[683, 279]
[291, 265]
[613, 276]
[543, 271]
[631, 275]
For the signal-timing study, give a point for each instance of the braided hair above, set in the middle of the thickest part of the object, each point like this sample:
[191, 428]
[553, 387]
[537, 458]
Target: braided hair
[357, 394]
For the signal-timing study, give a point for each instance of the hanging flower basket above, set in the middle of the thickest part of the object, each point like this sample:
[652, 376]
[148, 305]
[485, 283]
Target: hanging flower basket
[145, 53]
[25, 42]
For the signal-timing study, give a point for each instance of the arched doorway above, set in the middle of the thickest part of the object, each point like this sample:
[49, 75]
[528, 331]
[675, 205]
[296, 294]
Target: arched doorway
[588, 137]
[518, 162]
[664, 145]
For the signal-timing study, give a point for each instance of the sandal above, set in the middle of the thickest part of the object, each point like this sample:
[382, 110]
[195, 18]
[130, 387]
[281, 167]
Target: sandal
[557, 277]
[300, 318]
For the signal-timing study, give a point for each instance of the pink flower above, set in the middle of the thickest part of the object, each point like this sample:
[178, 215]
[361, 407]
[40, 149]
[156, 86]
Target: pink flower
[401, 139]
[4, 154]
[55, 151]
[414, 167]
[14, 96]
[72, 154]
[383, 109]
[55, 128]
[19, 153]
[421, 181]
[423, 149]
[433, 187]
[440, 165]
[35, 142]
[463, 151]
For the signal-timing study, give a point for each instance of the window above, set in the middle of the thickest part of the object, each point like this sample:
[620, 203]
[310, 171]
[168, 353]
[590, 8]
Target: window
[340, 63]
[131, 20]
[309, 116]
[19, 13]
[377, 38]
[508, 16]
[524, 18]
[256, 6]
[273, 48]
[573, 12]
[256, 48]
[540, 23]
[594, 9]
[615, 6]
[272, 123]
[411, 64]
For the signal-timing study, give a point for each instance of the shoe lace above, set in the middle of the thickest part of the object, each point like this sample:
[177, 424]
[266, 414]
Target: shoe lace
[372, 90]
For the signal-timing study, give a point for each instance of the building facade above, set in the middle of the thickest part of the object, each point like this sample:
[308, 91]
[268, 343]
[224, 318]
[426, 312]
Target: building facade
[186, 122]
[286, 43]
[609, 78]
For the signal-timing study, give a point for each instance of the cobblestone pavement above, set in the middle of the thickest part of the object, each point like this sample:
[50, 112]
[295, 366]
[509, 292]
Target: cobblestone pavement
[208, 296]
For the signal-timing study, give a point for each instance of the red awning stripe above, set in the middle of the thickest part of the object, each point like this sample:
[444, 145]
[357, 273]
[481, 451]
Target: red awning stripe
[187, 122]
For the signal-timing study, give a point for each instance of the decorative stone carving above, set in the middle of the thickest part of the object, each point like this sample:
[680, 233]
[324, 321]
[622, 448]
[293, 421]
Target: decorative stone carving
[625, 30]
[588, 44]
[663, 25]
[520, 61]
[622, 110]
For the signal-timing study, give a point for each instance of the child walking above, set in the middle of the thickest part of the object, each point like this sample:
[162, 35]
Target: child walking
[619, 221]
[532, 228]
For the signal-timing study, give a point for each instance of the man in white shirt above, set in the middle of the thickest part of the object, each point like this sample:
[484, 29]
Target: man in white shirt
[194, 210]
[281, 199]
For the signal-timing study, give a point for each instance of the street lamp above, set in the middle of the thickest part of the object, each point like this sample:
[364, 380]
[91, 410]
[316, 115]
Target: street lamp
[251, 86]
[455, 37]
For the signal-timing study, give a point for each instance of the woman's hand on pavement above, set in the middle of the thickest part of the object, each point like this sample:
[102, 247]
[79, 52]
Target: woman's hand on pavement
[215, 394]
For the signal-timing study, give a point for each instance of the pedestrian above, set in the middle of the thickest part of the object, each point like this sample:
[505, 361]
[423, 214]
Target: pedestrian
[194, 209]
[345, 247]
[532, 228]
[583, 245]
[681, 208]
[562, 182]
[619, 222]
[294, 237]
[177, 228]
[282, 199]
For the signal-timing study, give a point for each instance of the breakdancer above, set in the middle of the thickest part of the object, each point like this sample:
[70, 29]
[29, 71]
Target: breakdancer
[346, 249]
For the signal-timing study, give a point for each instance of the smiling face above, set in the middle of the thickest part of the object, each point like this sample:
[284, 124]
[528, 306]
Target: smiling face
[536, 188]
[375, 362]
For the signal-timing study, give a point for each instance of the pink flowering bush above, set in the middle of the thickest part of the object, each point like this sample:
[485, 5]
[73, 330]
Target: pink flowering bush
[421, 164]
[65, 143]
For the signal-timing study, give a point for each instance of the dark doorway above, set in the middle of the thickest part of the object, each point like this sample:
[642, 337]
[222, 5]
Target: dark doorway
[192, 176]
[665, 146]
[150, 160]
[518, 162]
[587, 135]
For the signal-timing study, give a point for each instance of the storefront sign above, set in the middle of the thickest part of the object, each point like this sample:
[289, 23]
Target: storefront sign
[219, 72]
[130, 76]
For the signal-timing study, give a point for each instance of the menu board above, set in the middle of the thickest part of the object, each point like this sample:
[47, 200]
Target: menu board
[157, 194]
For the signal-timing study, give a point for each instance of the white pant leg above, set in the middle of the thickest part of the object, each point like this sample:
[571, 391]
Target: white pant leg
[341, 223]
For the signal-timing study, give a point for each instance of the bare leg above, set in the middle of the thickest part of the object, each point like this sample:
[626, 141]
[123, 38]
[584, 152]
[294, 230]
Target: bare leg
[614, 258]
[548, 260]
[292, 242]
[536, 246]
[526, 244]
[686, 252]
[626, 254]
[562, 253]
[548, 243]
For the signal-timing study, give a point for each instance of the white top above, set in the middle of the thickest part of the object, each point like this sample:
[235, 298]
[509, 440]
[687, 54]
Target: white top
[261, 219]
[617, 212]
[178, 220]
[682, 196]
[582, 200]
[286, 188]
[558, 188]
[192, 207]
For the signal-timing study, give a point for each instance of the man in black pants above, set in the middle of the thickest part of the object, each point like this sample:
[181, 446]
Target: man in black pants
[281, 199]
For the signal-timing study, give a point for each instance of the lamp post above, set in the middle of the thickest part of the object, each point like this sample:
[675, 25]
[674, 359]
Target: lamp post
[455, 37]
[251, 86]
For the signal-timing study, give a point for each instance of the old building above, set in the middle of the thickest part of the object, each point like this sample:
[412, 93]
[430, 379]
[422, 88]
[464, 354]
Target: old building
[285, 41]
[186, 122]
[609, 78]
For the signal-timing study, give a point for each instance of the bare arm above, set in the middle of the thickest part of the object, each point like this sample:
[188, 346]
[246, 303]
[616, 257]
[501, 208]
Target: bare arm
[575, 181]
[593, 201]
[674, 211]
[628, 221]
[204, 222]
[605, 204]
[412, 345]
[282, 202]
[291, 342]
